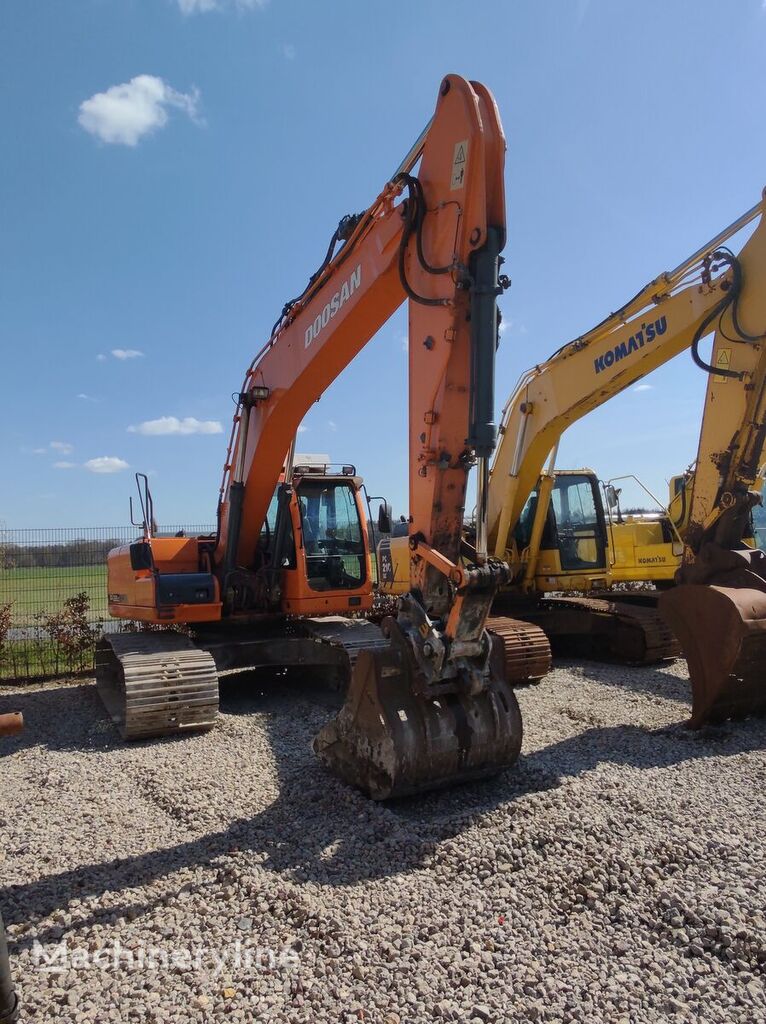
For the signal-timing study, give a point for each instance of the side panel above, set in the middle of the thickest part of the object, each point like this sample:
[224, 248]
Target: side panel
[133, 593]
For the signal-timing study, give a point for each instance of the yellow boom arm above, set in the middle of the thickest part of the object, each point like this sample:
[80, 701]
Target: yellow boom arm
[711, 290]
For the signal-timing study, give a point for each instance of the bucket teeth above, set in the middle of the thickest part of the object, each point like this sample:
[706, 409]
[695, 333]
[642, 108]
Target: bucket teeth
[390, 742]
[722, 631]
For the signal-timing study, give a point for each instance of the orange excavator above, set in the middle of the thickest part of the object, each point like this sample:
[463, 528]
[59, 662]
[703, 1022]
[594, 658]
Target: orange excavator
[282, 581]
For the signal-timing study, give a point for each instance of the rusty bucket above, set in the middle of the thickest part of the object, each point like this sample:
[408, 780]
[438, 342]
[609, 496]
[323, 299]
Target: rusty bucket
[722, 632]
[389, 740]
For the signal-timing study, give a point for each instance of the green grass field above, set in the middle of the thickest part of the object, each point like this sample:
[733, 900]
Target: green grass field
[31, 653]
[45, 590]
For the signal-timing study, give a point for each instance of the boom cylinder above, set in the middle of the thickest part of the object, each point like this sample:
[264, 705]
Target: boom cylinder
[237, 487]
[485, 267]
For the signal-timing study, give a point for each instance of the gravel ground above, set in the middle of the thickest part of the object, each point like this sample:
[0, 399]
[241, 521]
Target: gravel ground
[617, 874]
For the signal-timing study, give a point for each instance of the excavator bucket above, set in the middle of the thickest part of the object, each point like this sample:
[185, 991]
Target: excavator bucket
[722, 632]
[389, 740]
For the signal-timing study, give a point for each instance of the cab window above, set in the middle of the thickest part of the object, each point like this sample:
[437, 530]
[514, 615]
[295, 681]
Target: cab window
[579, 525]
[332, 535]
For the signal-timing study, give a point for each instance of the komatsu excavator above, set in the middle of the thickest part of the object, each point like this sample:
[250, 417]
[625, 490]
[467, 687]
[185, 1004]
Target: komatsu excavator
[429, 700]
[719, 613]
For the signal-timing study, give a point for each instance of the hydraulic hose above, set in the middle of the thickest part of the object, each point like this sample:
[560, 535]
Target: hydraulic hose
[730, 301]
[414, 212]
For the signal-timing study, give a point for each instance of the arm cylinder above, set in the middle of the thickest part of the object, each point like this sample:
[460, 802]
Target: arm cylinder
[485, 266]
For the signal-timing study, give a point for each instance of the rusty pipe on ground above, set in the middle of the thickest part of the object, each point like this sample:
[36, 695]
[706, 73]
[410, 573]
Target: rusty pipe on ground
[11, 724]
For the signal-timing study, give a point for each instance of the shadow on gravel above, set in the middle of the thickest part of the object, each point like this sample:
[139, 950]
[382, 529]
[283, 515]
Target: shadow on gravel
[319, 830]
[654, 680]
[77, 704]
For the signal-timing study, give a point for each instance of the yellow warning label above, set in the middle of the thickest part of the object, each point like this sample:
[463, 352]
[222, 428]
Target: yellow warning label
[459, 164]
[723, 362]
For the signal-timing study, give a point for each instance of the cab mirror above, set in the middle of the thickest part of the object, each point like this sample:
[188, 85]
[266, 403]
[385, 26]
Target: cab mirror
[384, 518]
[612, 496]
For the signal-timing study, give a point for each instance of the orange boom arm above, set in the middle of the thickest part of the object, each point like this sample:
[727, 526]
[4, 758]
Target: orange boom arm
[427, 248]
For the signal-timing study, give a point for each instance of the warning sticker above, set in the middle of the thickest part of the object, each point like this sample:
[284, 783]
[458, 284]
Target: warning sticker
[723, 362]
[459, 164]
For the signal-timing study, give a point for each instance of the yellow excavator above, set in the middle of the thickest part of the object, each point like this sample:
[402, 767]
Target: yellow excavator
[714, 290]
[563, 535]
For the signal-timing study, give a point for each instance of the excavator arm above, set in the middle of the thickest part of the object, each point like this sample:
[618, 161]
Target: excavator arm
[434, 706]
[718, 608]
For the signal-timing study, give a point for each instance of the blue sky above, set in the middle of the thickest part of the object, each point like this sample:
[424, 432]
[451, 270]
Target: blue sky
[172, 171]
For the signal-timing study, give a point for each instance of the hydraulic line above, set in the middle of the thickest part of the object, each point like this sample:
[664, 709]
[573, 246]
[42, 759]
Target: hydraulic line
[724, 257]
[414, 214]
[342, 233]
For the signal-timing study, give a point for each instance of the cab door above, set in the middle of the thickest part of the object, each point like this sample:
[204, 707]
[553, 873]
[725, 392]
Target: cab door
[580, 528]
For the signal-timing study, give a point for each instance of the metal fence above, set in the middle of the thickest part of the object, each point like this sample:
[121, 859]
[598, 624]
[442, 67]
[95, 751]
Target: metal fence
[53, 600]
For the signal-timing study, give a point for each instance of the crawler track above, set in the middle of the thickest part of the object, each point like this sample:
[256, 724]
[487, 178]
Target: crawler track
[353, 635]
[527, 649]
[618, 630]
[156, 684]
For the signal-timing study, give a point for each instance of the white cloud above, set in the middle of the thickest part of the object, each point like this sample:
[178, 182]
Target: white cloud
[302, 429]
[64, 447]
[288, 50]
[166, 425]
[505, 325]
[101, 357]
[127, 353]
[643, 387]
[64, 465]
[197, 6]
[202, 6]
[39, 451]
[106, 464]
[125, 113]
[332, 425]
[87, 398]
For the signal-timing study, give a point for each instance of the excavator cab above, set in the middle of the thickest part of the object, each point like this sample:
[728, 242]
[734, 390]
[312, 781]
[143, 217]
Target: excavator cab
[327, 560]
[574, 544]
[312, 559]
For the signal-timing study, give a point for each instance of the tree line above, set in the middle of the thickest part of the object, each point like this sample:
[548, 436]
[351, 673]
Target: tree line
[76, 552]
